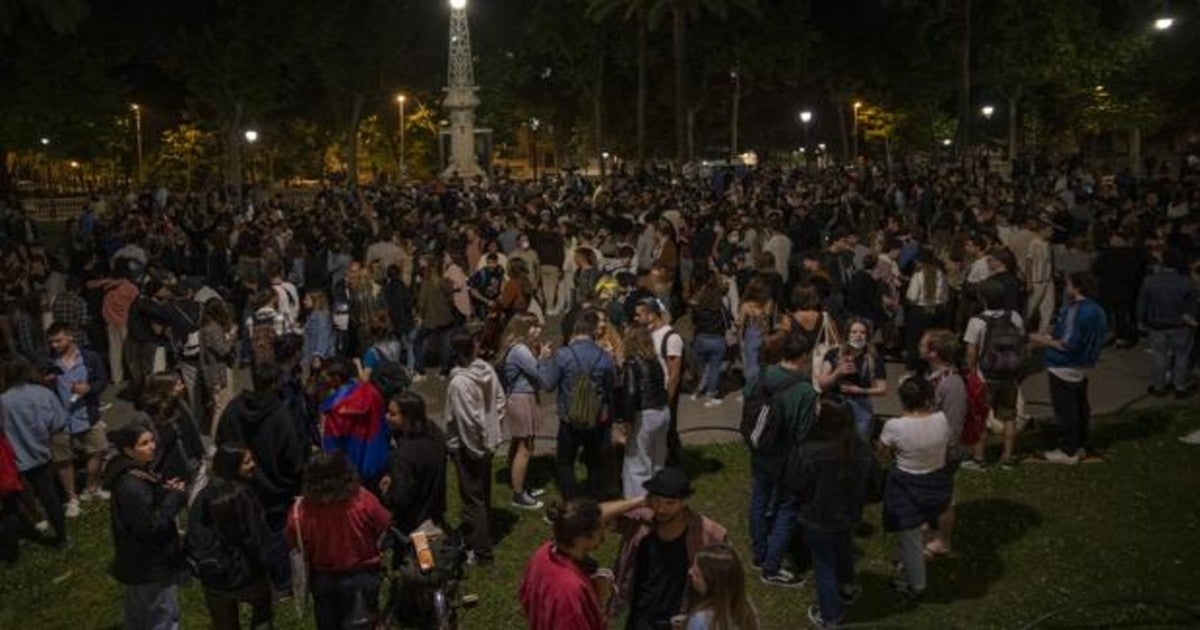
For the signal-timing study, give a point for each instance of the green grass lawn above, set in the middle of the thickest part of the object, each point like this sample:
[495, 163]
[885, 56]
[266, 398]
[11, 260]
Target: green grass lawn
[1029, 541]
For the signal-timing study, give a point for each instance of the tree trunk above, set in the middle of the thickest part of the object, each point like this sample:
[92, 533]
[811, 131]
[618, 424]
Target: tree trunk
[835, 96]
[352, 140]
[679, 26]
[6, 179]
[964, 88]
[1135, 151]
[887, 152]
[1012, 127]
[598, 112]
[233, 155]
[733, 116]
[641, 90]
[691, 129]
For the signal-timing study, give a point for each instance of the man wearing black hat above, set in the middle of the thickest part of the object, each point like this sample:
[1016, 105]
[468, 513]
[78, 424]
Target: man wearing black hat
[659, 542]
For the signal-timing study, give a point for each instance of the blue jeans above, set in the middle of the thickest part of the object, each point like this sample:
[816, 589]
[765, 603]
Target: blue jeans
[334, 596]
[152, 606]
[570, 441]
[864, 416]
[751, 345]
[1170, 351]
[772, 519]
[833, 567]
[442, 338]
[710, 350]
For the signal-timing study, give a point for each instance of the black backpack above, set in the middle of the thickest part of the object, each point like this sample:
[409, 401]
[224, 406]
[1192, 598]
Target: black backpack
[215, 563]
[1002, 355]
[762, 423]
[390, 376]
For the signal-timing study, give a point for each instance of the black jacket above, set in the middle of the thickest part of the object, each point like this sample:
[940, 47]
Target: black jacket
[418, 490]
[832, 493]
[645, 387]
[147, 544]
[264, 423]
[253, 547]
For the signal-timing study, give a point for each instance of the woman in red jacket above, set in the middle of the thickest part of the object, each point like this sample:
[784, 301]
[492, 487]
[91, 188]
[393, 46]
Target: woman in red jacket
[338, 523]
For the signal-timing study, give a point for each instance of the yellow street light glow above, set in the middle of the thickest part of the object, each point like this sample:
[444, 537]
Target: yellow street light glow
[1163, 24]
[805, 116]
[458, 4]
[400, 98]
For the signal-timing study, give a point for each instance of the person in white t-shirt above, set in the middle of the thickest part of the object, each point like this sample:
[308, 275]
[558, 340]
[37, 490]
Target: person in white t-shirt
[288, 300]
[919, 487]
[668, 343]
[1003, 393]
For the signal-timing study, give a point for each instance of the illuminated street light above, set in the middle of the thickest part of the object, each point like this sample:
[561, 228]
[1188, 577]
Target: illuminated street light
[45, 142]
[400, 99]
[987, 111]
[251, 136]
[854, 135]
[137, 119]
[1164, 23]
[458, 4]
[806, 116]
[946, 142]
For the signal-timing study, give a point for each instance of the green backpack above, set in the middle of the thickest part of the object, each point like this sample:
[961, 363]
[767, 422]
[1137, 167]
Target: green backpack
[586, 402]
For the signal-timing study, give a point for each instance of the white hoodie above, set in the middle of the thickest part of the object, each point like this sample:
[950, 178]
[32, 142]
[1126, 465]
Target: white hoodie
[474, 406]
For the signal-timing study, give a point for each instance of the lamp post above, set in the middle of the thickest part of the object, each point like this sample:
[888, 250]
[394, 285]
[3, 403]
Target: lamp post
[534, 125]
[1164, 23]
[806, 117]
[400, 103]
[137, 120]
[251, 138]
[854, 140]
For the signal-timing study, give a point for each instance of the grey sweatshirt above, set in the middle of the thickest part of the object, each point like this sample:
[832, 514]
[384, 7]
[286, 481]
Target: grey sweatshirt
[474, 408]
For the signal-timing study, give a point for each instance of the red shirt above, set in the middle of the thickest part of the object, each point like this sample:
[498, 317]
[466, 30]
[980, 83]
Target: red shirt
[340, 536]
[557, 595]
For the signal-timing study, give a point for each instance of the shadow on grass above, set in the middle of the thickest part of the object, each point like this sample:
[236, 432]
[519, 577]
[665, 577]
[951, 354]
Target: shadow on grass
[985, 528]
[697, 463]
[1105, 431]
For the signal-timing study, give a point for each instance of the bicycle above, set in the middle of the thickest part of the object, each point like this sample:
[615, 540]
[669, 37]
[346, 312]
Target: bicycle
[423, 597]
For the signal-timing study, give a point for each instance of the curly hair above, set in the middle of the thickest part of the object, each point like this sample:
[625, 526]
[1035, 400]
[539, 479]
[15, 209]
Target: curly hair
[329, 478]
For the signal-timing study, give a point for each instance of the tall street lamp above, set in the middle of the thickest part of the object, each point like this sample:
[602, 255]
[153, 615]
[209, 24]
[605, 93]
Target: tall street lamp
[137, 120]
[806, 117]
[854, 141]
[1164, 23]
[400, 98]
[251, 138]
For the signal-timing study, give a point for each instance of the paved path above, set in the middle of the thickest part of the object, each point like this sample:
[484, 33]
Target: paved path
[1118, 382]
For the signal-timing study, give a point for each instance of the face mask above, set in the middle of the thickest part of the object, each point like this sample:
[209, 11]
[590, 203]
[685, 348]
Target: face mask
[858, 344]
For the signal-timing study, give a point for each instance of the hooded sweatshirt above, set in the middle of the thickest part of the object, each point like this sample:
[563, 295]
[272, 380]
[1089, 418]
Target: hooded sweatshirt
[145, 537]
[474, 406]
[265, 424]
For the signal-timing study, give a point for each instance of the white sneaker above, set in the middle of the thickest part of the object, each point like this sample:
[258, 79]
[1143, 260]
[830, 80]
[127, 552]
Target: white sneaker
[1057, 456]
[713, 402]
[1191, 438]
[99, 494]
[72, 508]
[695, 397]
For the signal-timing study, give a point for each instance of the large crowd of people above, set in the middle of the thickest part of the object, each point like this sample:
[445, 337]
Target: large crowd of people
[782, 292]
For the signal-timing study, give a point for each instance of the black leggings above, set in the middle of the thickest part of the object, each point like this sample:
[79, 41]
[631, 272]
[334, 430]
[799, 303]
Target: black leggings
[40, 481]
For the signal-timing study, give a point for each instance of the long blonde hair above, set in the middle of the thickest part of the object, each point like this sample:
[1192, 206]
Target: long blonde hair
[725, 582]
[518, 332]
